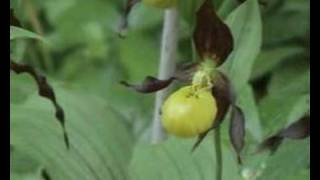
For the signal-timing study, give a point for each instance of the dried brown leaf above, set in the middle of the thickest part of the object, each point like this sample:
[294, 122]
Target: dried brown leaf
[44, 90]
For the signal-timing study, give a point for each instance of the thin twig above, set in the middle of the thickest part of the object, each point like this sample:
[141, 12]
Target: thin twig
[217, 144]
[166, 69]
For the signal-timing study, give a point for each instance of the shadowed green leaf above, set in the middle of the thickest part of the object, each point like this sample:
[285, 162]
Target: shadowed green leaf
[246, 28]
[19, 33]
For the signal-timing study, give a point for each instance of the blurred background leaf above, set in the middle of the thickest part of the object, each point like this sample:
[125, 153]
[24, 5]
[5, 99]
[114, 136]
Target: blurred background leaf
[17, 33]
[246, 28]
[109, 125]
[100, 138]
[174, 160]
[298, 165]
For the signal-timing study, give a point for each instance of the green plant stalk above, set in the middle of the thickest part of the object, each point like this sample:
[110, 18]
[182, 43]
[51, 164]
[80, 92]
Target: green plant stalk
[166, 67]
[218, 148]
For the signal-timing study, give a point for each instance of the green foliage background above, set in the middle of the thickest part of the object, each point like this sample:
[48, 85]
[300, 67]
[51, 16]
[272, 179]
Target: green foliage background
[109, 125]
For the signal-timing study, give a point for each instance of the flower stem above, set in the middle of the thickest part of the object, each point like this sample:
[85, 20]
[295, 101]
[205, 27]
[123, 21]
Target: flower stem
[167, 67]
[217, 143]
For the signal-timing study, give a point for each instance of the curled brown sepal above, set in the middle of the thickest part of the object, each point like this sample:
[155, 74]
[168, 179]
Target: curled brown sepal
[149, 85]
[237, 131]
[123, 25]
[297, 130]
[224, 96]
[212, 37]
[45, 90]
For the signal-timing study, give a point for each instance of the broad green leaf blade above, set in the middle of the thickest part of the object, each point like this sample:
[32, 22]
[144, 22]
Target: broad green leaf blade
[292, 78]
[44, 90]
[269, 59]
[23, 167]
[251, 113]
[173, 160]
[226, 7]
[277, 112]
[31, 134]
[138, 19]
[100, 139]
[19, 33]
[285, 34]
[188, 10]
[288, 97]
[246, 28]
[286, 22]
[21, 86]
[303, 174]
[66, 15]
[132, 58]
[27, 176]
[288, 161]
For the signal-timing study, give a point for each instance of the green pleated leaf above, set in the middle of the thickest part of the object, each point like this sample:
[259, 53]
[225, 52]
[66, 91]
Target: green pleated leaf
[288, 97]
[226, 7]
[66, 15]
[269, 59]
[45, 90]
[250, 110]
[246, 28]
[291, 158]
[21, 86]
[285, 34]
[292, 78]
[23, 167]
[132, 58]
[19, 33]
[280, 16]
[173, 160]
[277, 112]
[100, 141]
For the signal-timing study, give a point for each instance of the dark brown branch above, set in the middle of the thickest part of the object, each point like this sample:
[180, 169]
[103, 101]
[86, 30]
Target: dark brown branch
[44, 90]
